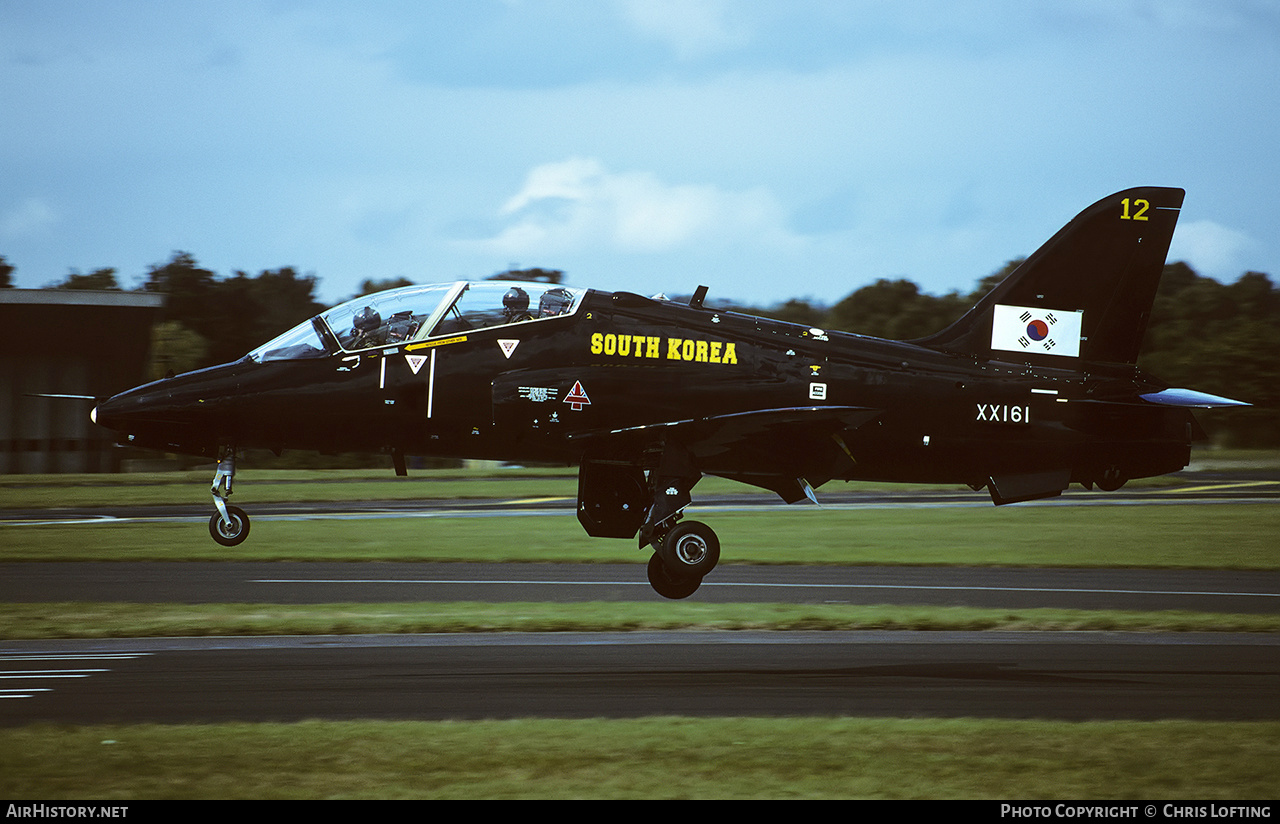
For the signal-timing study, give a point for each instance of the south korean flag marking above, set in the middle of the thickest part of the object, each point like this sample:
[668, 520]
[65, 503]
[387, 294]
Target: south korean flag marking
[1036, 330]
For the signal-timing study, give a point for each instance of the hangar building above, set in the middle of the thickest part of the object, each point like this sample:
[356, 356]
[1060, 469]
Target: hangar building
[69, 342]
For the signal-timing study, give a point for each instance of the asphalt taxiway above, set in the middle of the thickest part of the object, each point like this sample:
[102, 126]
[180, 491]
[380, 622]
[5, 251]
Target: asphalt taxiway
[1070, 676]
[1233, 591]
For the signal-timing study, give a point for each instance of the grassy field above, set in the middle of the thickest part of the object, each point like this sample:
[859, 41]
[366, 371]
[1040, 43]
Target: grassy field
[116, 620]
[284, 486]
[758, 758]
[299, 485]
[1208, 536]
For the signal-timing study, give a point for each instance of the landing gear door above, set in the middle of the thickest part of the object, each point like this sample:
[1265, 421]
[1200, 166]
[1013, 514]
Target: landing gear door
[612, 499]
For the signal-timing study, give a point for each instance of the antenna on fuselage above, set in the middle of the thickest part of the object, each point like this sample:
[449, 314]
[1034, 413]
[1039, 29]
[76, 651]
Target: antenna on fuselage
[699, 295]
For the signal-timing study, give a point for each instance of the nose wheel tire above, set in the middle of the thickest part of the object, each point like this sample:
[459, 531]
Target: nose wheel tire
[1110, 480]
[690, 550]
[667, 586]
[233, 531]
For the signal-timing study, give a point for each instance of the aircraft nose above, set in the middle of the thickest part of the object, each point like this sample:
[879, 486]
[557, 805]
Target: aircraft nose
[176, 414]
[143, 417]
[107, 413]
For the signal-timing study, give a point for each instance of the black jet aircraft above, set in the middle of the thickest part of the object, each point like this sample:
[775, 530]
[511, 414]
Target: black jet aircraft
[1035, 388]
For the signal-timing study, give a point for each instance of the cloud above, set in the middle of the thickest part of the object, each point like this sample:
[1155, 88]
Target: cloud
[691, 28]
[27, 218]
[573, 204]
[1212, 249]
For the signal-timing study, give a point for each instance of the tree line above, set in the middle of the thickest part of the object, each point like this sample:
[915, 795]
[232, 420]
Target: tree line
[1222, 338]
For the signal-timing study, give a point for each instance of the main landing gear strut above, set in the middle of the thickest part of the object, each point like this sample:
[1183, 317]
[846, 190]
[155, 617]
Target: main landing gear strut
[619, 499]
[683, 552]
[229, 526]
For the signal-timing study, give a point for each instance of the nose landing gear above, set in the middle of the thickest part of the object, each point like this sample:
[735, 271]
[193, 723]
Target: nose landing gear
[229, 526]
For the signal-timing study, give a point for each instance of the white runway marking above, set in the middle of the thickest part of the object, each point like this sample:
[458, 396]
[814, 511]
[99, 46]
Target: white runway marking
[45, 674]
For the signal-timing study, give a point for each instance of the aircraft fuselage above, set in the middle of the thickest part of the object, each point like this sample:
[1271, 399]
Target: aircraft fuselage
[542, 391]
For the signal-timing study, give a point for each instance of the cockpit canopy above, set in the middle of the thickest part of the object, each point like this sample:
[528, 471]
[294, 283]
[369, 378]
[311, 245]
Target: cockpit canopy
[414, 313]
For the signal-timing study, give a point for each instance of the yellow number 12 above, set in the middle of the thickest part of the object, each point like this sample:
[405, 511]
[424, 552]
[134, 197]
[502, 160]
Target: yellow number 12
[1141, 207]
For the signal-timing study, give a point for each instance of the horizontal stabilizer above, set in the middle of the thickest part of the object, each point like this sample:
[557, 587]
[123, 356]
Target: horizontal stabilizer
[1190, 398]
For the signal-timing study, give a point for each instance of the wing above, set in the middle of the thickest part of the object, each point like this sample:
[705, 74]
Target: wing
[636, 416]
[787, 450]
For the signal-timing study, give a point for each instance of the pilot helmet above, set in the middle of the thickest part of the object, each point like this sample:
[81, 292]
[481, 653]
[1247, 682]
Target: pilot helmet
[366, 320]
[515, 301]
[554, 302]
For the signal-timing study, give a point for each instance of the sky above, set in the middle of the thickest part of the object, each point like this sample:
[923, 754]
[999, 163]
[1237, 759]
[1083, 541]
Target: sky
[767, 149]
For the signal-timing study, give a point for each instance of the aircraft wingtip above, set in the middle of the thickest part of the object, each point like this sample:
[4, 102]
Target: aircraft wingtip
[1190, 398]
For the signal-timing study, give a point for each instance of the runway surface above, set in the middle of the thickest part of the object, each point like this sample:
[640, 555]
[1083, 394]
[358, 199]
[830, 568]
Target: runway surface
[321, 583]
[1071, 676]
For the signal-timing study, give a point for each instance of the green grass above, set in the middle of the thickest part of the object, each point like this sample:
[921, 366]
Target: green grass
[124, 620]
[281, 486]
[301, 485]
[1225, 536]
[649, 758]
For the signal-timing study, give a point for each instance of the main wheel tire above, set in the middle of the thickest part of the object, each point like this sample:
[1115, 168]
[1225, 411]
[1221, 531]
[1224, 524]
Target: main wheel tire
[667, 586]
[690, 550]
[232, 533]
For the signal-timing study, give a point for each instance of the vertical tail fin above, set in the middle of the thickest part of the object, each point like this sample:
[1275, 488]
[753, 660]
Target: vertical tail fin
[1085, 294]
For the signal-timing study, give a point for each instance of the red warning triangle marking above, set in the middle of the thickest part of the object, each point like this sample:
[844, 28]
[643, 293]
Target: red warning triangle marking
[577, 397]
